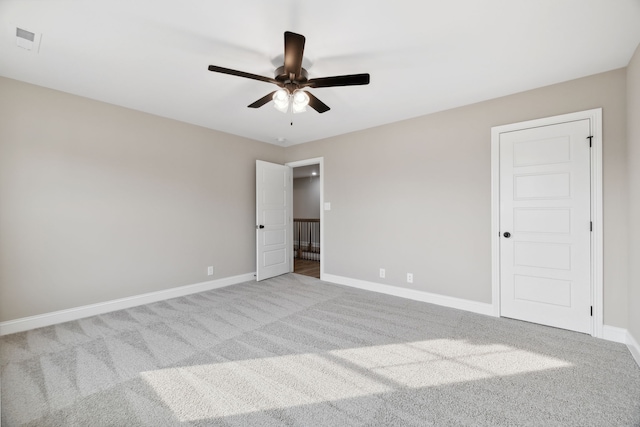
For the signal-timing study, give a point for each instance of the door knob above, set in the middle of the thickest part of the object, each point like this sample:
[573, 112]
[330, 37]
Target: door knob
[507, 234]
[260, 226]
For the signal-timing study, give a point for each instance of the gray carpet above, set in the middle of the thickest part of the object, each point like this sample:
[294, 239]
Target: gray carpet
[293, 351]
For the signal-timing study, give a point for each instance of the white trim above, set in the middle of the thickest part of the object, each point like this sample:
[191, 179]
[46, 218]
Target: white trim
[622, 336]
[495, 221]
[615, 334]
[323, 248]
[597, 261]
[48, 319]
[609, 333]
[634, 347]
[413, 294]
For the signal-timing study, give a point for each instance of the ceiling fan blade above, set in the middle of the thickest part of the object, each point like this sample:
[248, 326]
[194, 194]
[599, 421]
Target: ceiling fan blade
[316, 104]
[293, 52]
[260, 102]
[223, 70]
[348, 80]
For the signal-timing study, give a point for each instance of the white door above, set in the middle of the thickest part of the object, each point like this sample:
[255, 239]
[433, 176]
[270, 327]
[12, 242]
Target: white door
[545, 225]
[273, 219]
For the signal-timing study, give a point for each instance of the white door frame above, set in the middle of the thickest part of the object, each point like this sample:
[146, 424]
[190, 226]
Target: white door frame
[307, 162]
[597, 279]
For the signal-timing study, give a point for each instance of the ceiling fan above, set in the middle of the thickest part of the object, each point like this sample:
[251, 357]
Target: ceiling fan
[293, 79]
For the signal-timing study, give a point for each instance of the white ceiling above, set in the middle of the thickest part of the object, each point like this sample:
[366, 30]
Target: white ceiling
[423, 55]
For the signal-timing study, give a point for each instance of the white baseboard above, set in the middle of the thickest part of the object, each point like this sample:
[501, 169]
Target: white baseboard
[609, 333]
[615, 334]
[634, 347]
[443, 300]
[48, 319]
[623, 336]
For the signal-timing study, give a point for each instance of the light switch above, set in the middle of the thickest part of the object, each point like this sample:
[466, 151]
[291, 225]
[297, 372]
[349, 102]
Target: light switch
[327, 206]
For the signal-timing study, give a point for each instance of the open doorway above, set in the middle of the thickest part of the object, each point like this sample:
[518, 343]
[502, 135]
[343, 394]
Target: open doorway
[307, 190]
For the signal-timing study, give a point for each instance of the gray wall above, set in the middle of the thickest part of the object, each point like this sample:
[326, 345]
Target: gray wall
[633, 111]
[415, 196]
[100, 202]
[306, 197]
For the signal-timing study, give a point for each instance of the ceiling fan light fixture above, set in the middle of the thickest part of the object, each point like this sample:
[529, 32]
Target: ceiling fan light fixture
[281, 100]
[300, 102]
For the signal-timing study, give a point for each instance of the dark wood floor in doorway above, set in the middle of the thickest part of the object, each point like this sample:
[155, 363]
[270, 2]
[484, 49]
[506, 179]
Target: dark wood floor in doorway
[306, 267]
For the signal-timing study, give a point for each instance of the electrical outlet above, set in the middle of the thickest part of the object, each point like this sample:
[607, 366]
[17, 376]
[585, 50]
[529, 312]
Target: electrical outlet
[409, 277]
[382, 273]
[210, 271]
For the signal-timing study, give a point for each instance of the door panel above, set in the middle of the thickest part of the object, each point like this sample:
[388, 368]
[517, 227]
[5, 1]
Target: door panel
[273, 225]
[541, 151]
[541, 186]
[542, 290]
[542, 220]
[545, 205]
[542, 255]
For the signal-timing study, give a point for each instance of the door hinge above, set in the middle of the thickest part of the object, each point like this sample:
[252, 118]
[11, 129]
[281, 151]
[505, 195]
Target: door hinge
[591, 311]
[591, 226]
[590, 138]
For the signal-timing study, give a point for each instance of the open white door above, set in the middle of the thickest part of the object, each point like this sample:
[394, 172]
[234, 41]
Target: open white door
[274, 186]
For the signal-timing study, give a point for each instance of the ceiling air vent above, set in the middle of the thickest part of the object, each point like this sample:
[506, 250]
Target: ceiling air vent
[27, 40]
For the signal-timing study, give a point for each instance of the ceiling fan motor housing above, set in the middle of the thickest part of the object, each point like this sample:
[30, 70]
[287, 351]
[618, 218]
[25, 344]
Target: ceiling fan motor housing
[287, 81]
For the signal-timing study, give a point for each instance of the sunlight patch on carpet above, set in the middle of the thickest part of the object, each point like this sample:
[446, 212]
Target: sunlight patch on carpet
[245, 386]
